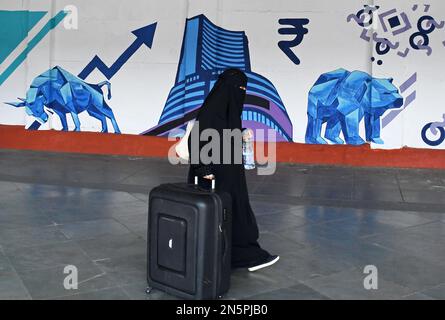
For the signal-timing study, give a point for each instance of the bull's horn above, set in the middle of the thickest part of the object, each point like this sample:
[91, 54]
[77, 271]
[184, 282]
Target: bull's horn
[16, 104]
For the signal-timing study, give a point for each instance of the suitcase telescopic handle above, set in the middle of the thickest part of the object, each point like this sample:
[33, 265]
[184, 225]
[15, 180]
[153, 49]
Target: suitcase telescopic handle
[213, 182]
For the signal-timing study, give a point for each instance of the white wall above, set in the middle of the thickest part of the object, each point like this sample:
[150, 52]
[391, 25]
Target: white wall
[141, 87]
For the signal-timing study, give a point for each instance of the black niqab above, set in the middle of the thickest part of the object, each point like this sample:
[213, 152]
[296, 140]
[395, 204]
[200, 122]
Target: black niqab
[221, 110]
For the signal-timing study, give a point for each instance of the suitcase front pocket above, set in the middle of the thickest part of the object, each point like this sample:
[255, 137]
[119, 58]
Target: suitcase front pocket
[172, 243]
[173, 234]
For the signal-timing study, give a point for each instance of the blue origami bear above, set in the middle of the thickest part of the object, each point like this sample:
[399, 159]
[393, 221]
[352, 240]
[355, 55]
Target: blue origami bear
[64, 93]
[341, 99]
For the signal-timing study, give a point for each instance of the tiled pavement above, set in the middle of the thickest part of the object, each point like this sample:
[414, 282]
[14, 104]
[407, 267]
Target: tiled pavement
[327, 223]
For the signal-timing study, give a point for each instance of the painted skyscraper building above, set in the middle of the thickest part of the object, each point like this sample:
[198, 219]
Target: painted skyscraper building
[207, 50]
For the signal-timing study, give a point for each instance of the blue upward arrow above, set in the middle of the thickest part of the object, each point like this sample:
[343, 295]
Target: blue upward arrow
[143, 35]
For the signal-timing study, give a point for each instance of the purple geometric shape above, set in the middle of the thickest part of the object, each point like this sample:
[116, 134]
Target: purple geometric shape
[403, 87]
[353, 16]
[438, 124]
[404, 54]
[365, 36]
[438, 25]
[383, 15]
[406, 22]
[408, 83]
[394, 21]
[410, 99]
[385, 41]
[393, 114]
[275, 112]
[390, 117]
[428, 49]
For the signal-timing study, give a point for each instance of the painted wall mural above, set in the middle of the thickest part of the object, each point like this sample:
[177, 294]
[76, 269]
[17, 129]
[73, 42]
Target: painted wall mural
[15, 29]
[341, 99]
[393, 22]
[433, 133]
[373, 78]
[298, 30]
[207, 50]
[63, 93]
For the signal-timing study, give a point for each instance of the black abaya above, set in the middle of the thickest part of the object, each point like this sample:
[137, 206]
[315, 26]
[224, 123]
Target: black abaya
[222, 110]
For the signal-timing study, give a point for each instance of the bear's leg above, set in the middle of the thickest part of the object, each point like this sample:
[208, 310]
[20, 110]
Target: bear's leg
[368, 128]
[317, 132]
[315, 120]
[318, 138]
[309, 137]
[333, 129]
[313, 131]
[351, 126]
[372, 128]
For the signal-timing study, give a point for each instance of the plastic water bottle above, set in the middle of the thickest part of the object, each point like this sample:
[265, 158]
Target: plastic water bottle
[248, 156]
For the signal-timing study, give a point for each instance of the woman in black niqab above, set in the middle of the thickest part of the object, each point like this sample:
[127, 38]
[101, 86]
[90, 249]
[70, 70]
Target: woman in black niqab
[221, 110]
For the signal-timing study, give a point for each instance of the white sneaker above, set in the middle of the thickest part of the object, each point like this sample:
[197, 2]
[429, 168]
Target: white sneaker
[269, 261]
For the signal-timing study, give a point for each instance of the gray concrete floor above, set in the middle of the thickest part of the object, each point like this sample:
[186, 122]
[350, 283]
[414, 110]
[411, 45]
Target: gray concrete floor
[327, 223]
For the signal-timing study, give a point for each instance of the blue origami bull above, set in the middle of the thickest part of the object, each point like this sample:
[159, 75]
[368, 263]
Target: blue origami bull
[341, 99]
[65, 93]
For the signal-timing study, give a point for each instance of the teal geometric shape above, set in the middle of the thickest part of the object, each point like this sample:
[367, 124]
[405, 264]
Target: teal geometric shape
[51, 24]
[14, 28]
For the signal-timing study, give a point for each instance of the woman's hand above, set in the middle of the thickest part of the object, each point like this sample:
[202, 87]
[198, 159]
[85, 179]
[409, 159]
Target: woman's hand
[209, 176]
[247, 134]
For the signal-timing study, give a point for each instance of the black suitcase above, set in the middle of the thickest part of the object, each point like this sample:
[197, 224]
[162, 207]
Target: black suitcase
[189, 241]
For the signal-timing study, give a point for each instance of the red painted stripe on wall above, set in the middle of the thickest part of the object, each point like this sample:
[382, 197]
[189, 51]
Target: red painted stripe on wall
[16, 137]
